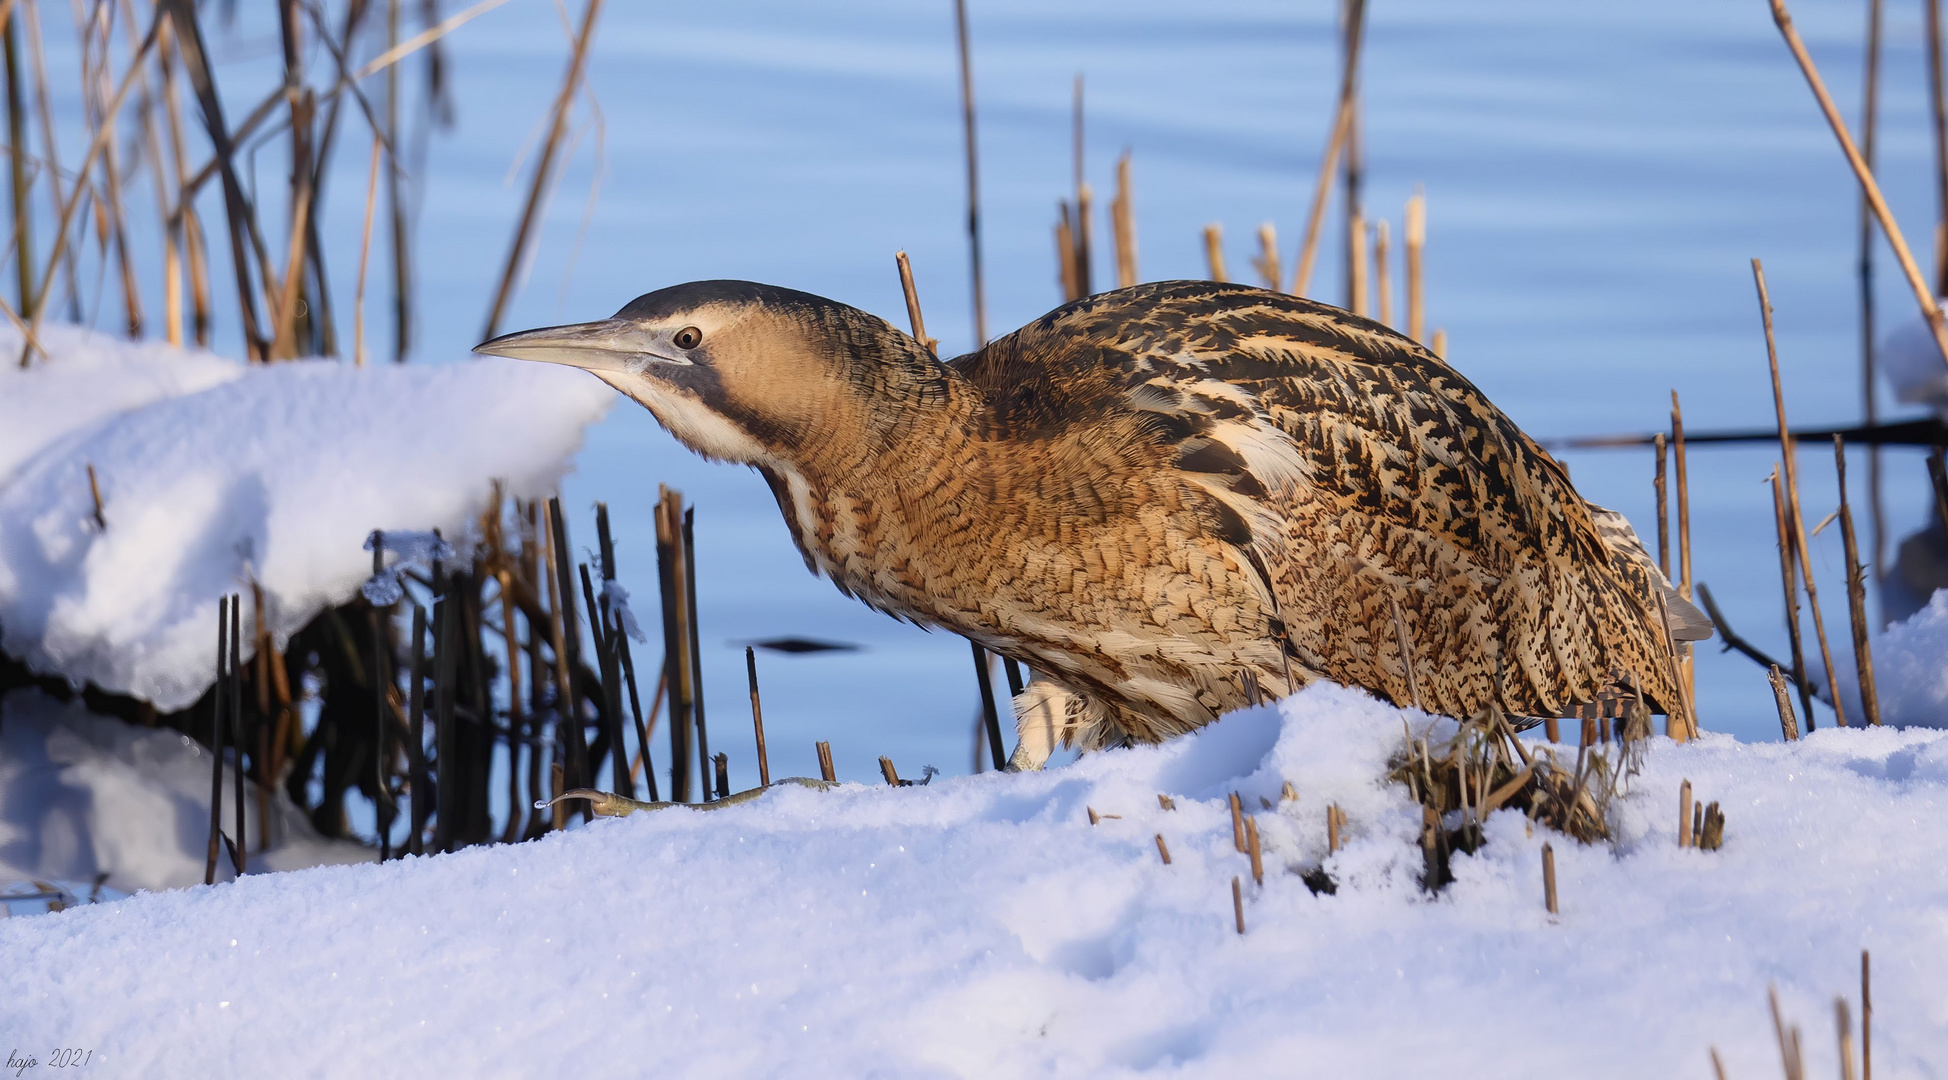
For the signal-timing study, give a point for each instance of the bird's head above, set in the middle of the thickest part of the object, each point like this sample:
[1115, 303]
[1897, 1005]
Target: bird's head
[740, 371]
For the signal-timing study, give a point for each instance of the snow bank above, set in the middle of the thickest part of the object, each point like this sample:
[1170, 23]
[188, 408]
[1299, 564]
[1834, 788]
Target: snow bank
[82, 795]
[214, 474]
[982, 927]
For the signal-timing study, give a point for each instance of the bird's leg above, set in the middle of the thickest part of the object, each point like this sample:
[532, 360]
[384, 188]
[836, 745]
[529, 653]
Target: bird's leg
[1041, 712]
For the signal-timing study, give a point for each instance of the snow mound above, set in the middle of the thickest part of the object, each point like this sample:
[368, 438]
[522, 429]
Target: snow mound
[1910, 360]
[983, 927]
[82, 795]
[214, 475]
[1911, 667]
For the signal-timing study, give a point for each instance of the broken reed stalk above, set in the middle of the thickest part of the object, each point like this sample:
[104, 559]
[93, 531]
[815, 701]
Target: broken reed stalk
[94, 490]
[1237, 823]
[1382, 283]
[1684, 836]
[1082, 228]
[1869, 125]
[544, 167]
[1414, 228]
[1214, 252]
[446, 663]
[1549, 879]
[1438, 345]
[1251, 842]
[693, 625]
[1163, 850]
[1923, 294]
[619, 638]
[723, 775]
[826, 771]
[757, 716]
[1863, 651]
[1788, 724]
[1843, 1021]
[1938, 478]
[990, 713]
[1122, 220]
[676, 673]
[1796, 519]
[609, 665]
[1334, 819]
[1065, 253]
[892, 778]
[913, 316]
[973, 175]
[1789, 582]
[1238, 903]
[1266, 262]
[219, 702]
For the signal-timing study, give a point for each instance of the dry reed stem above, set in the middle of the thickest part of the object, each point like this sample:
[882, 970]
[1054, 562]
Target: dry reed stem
[1788, 724]
[1382, 282]
[1866, 1017]
[1266, 263]
[1863, 650]
[1923, 294]
[17, 158]
[1843, 1021]
[1549, 879]
[1789, 582]
[1238, 903]
[1683, 498]
[1333, 819]
[1288, 793]
[1251, 842]
[1122, 219]
[1093, 819]
[544, 165]
[1438, 346]
[422, 39]
[826, 771]
[913, 316]
[1795, 518]
[976, 282]
[103, 134]
[1237, 823]
[1357, 289]
[757, 716]
[1663, 508]
[1316, 217]
[1163, 850]
[1788, 1038]
[1166, 802]
[1415, 230]
[365, 258]
[1065, 254]
[892, 777]
[1214, 252]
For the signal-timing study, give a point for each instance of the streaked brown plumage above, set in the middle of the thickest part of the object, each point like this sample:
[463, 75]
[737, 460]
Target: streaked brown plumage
[1147, 494]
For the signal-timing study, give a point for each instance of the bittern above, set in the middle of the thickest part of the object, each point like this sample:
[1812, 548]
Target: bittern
[1164, 500]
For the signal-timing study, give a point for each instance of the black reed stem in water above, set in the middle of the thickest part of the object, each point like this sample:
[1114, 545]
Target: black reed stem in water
[605, 647]
[236, 723]
[606, 540]
[382, 793]
[219, 697]
[416, 751]
[568, 702]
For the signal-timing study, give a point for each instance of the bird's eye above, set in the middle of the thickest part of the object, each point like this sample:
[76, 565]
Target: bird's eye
[688, 338]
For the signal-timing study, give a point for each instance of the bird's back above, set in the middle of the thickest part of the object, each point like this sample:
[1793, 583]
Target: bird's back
[1376, 491]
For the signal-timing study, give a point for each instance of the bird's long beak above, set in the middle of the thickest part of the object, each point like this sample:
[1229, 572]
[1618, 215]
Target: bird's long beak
[621, 346]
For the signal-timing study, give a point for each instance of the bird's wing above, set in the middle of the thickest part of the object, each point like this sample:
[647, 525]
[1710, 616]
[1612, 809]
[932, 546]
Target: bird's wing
[1373, 478]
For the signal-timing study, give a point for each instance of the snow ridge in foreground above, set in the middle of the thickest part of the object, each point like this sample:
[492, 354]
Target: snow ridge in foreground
[981, 927]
